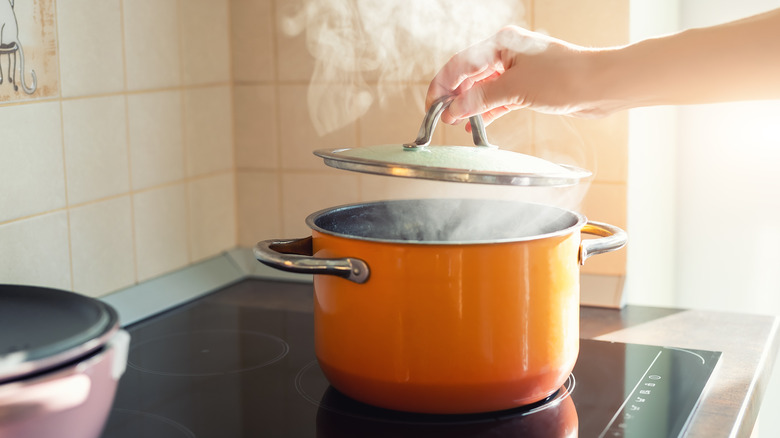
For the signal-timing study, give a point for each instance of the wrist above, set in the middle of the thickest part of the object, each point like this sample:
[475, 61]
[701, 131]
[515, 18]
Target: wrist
[609, 84]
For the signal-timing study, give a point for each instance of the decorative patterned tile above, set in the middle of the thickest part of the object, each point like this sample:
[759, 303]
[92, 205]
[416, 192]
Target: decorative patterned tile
[28, 50]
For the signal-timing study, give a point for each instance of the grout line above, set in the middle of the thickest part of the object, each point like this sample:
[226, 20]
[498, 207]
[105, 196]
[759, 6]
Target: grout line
[174, 88]
[277, 110]
[185, 146]
[168, 184]
[33, 216]
[113, 94]
[64, 154]
[257, 169]
[232, 91]
[124, 45]
[30, 101]
[127, 141]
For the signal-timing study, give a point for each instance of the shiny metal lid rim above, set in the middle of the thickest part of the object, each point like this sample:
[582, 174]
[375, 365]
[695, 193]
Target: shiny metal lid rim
[333, 159]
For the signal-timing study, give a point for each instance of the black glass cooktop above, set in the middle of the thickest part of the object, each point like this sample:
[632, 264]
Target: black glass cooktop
[240, 363]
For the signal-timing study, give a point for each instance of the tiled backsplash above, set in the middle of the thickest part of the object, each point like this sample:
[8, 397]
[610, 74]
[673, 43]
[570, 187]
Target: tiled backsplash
[119, 167]
[163, 132]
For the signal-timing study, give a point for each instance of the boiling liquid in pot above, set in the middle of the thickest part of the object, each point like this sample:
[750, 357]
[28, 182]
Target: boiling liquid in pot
[445, 221]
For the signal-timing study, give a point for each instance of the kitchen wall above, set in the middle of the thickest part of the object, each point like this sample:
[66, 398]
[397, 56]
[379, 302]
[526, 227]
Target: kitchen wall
[119, 166]
[704, 198]
[163, 132]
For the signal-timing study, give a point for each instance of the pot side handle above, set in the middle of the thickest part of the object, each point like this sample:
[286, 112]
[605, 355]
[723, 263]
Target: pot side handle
[612, 238]
[296, 255]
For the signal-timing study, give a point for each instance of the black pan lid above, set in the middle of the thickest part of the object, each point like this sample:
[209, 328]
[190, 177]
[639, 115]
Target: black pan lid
[41, 328]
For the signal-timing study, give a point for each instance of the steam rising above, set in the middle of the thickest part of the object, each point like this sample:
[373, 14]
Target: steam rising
[446, 221]
[366, 50]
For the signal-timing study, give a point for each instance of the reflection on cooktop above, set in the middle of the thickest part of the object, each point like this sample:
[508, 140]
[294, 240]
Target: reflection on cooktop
[337, 413]
[233, 365]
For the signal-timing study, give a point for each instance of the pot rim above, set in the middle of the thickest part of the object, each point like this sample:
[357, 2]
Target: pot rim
[581, 220]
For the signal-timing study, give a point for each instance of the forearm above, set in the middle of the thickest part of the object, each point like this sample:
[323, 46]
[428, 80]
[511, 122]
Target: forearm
[733, 61]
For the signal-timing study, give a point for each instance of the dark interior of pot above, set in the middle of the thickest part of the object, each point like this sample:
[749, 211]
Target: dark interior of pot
[446, 221]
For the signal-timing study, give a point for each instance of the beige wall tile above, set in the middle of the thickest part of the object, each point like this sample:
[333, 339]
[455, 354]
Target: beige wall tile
[599, 146]
[35, 251]
[252, 34]
[606, 140]
[212, 215]
[205, 41]
[151, 30]
[580, 143]
[395, 119]
[160, 230]
[304, 193]
[594, 23]
[90, 44]
[101, 237]
[37, 36]
[379, 188]
[155, 135]
[297, 136]
[294, 63]
[208, 133]
[95, 148]
[32, 173]
[259, 207]
[456, 134]
[513, 132]
[606, 203]
[255, 124]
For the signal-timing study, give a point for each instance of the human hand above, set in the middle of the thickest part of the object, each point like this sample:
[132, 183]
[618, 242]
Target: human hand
[516, 68]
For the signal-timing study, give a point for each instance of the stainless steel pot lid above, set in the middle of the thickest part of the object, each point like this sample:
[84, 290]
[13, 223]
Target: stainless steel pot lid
[482, 163]
[43, 328]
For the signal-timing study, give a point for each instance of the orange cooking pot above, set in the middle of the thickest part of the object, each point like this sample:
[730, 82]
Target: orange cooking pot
[445, 305]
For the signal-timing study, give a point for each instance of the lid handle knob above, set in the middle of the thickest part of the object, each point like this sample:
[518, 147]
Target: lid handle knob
[425, 134]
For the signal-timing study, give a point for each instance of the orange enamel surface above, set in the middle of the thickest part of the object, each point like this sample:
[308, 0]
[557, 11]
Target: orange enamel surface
[449, 328]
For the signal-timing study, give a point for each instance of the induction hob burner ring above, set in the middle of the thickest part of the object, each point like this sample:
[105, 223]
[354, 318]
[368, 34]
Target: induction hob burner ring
[121, 423]
[312, 385]
[203, 353]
